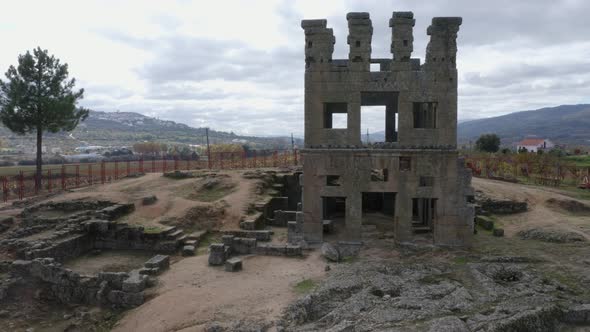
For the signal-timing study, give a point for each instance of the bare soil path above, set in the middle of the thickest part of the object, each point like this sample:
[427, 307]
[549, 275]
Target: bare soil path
[192, 294]
[541, 213]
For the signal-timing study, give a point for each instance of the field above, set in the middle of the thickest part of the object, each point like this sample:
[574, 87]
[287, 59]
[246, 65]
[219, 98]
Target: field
[580, 161]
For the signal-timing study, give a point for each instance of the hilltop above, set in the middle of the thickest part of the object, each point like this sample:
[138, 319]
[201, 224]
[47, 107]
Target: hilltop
[565, 124]
[127, 128]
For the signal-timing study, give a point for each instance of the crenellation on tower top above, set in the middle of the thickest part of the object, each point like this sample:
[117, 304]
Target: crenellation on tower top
[319, 43]
[402, 37]
[360, 33]
[441, 51]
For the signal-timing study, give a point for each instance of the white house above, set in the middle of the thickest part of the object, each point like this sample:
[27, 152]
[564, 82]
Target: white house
[535, 144]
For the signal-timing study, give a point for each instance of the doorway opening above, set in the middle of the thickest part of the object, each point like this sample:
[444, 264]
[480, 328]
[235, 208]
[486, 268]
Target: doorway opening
[333, 214]
[423, 215]
[378, 210]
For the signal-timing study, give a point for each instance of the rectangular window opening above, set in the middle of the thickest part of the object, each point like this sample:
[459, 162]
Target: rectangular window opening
[373, 123]
[333, 180]
[405, 164]
[335, 115]
[379, 175]
[425, 114]
[379, 116]
[426, 181]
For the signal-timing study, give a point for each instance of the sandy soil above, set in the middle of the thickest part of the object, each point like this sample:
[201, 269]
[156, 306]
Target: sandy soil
[170, 204]
[191, 293]
[109, 261]
[541, 213]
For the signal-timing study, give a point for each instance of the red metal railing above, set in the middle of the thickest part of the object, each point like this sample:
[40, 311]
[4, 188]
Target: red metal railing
[24, 184]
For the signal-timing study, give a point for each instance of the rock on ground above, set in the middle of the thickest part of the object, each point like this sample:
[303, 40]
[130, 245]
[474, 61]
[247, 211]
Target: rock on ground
[548, 235]
[330, 252]
[371, 296]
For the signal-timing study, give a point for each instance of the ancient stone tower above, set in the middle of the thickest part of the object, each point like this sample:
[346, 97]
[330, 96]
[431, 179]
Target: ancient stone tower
[412, 185]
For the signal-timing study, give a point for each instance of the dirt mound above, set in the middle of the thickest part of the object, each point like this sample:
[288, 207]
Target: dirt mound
[205, 217]
[207, 189]
[547, 235]
[568, 205]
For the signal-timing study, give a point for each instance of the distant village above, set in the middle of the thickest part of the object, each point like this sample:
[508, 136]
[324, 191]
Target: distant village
[25, 155]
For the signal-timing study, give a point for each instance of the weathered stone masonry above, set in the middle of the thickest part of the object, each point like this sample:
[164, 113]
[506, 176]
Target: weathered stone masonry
[416, 173]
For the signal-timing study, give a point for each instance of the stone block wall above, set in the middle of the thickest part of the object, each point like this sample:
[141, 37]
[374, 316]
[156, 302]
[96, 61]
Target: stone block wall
[69, 287]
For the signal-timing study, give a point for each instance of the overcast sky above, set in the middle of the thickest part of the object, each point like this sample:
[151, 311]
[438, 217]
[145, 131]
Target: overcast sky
[238, 65]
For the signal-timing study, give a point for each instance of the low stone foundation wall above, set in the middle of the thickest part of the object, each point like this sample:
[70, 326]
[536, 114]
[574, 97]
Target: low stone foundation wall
[61, 249]
[503, 207]
[114, 235]
[282, 218]
[260, 235]
[279, 250]
[232, 245]
[120, 289]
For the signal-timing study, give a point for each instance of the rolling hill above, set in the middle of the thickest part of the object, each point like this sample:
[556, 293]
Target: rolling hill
[127, 128]
[565, 124]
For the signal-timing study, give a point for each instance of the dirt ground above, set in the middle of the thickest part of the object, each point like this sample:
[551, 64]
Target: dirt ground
[108, 261]
[192, 294]
[172, 196]
[543, 211]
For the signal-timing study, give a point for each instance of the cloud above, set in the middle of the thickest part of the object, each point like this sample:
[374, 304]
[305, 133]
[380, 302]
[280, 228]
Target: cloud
[239, 66]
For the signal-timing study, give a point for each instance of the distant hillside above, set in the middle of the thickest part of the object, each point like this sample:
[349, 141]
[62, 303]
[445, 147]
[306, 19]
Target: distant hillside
[127, 128]
[565, 124]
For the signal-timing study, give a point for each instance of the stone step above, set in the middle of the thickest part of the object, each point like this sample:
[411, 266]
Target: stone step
[177, 233]
[198, 235]
[168, 230]
[188, 250]
[191, 242]
[182, 238]
[260, 206]
[260, 235]
[421, 229]
[233, 265]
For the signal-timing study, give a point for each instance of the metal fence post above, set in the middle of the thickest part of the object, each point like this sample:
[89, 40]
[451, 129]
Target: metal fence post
[77, 176]
[102, 172]
[5, 190]
[63, 177]
[49, 180]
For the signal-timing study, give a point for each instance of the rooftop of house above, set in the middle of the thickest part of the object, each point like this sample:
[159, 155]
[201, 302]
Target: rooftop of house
[531, 141]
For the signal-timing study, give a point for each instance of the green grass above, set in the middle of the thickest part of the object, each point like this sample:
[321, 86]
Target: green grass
[349, 259]
[305, 286]
[566, 278]
[580, 161]
[460, 260]
[152, 230]
[211, 195]
[208, 239]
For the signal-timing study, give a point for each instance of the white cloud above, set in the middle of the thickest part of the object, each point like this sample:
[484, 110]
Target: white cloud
[238, 65]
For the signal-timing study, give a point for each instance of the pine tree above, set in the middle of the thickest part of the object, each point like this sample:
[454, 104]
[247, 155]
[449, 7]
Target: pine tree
[38, 97]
